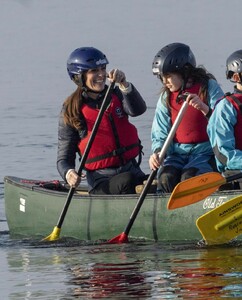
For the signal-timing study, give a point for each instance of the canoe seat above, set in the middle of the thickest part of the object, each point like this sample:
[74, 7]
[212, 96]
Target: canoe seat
[139, 188]
[82, 192]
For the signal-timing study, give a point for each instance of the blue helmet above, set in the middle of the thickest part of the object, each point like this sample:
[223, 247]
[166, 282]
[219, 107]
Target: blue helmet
[84, 59]
[173, 58]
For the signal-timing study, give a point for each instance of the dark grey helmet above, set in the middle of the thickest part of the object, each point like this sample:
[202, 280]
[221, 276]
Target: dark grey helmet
[234, 64]
[172, 58]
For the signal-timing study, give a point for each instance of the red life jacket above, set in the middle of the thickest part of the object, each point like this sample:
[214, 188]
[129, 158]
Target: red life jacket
[192, 129]
[116, 141]
[236, 100]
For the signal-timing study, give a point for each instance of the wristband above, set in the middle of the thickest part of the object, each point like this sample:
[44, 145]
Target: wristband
[68, 173]
[127, 89]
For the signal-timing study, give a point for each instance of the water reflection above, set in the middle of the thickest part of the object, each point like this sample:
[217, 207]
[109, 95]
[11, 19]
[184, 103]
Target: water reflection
[102, 280]
[206, 277]
[34, 274]
[206, 274]
[72, 270]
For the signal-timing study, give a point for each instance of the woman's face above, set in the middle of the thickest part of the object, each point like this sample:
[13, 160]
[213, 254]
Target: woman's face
[96, 78]
[172, 81]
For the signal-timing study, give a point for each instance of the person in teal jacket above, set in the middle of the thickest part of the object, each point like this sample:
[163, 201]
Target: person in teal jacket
[190, 153]
[225, 124]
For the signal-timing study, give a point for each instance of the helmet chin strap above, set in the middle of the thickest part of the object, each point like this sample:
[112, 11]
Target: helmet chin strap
[234, 80]
[78, 79]
[183, 87]
[85, 91]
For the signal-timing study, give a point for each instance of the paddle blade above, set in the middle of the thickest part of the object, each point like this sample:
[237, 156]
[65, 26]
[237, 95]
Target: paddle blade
[195, 189]
[223, 223]
[55, 234]
[119, 239]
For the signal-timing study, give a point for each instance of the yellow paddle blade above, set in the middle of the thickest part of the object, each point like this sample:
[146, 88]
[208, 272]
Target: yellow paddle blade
[55, 234]
[223, 223]
[195, 189]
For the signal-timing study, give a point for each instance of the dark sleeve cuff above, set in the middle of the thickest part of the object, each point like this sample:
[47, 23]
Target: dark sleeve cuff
[208, 115]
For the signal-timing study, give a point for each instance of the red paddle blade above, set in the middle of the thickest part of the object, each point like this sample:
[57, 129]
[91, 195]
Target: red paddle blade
[119, 239]
[195, 189]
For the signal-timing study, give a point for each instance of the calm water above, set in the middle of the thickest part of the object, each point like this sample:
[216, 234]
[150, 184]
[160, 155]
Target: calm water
[36, 38]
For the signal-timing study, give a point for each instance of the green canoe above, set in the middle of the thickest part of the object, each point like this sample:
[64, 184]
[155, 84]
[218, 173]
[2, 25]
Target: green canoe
[33, 208]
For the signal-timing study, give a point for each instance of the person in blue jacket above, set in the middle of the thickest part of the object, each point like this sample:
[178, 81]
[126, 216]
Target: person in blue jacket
[225, 123]
[190, 153]
[112, 165]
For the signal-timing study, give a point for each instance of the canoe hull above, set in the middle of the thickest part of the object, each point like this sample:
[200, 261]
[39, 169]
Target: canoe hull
[33, 211]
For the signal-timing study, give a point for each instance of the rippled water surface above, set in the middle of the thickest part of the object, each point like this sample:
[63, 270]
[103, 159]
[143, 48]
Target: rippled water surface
[36, 38]
[72, 269]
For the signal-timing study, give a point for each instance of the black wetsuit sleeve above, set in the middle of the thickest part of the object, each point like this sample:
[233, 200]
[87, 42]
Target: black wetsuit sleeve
[68, 139]
[133, 103]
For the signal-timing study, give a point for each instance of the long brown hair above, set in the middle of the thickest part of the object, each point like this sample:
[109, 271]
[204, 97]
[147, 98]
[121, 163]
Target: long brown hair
[196, 75]
[72, 107]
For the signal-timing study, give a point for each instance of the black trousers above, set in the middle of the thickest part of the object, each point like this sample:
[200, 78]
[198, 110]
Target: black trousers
[171, 176]
[123, 183]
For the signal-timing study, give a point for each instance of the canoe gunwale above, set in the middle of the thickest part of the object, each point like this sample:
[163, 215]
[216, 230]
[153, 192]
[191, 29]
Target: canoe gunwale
[31, 185]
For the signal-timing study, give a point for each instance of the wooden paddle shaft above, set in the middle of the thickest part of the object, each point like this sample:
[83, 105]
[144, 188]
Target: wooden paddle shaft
[153, 173]
[173, 130]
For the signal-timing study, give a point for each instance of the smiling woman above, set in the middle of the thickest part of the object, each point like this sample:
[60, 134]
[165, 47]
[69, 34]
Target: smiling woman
[111, 162]
[95, 79]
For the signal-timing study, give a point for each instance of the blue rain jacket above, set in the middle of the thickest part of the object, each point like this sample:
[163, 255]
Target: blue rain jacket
[162, 125]
[221, 134]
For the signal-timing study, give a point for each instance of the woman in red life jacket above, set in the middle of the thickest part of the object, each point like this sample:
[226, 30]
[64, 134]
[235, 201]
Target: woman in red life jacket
[190, 154]
[111, 165]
